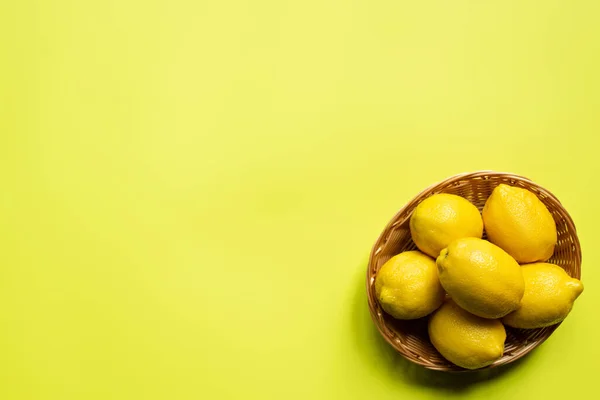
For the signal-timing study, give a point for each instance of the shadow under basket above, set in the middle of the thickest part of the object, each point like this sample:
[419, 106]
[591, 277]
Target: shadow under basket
[410, 338]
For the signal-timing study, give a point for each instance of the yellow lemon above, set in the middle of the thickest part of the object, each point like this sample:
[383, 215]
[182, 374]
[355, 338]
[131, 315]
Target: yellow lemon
[548, 299]
[516, 220]
[407, 286]
[464, 339]
[481, 277]
[442, 218]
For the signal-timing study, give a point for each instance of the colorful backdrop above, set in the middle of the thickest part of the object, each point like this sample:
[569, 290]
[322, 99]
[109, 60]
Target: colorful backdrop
[190, 189]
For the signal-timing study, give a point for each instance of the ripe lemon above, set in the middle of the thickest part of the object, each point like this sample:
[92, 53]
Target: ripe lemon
[548, 299]
[465, 339]
[442, 218]
[481, 277]
[407, 286]
[516, 220]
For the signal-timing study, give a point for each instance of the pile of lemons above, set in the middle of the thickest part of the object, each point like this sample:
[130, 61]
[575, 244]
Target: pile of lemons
[491, 283]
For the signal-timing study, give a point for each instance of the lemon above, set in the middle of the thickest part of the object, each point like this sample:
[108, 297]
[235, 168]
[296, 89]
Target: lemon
[516, 220]
[442, 218]
[481, 277]
[465, 339]
[407, 286]
[548, 299]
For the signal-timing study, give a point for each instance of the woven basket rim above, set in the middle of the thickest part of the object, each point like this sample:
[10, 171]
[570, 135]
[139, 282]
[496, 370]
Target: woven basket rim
[397, 220]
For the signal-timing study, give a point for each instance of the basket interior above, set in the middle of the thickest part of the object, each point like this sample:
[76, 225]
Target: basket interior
[410, 337]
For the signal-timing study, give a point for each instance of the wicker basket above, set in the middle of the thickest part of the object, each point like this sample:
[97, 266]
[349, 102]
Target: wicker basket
[410, 338]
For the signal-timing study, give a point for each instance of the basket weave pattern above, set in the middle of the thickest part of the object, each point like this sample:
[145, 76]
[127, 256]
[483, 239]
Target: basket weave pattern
[410, 338]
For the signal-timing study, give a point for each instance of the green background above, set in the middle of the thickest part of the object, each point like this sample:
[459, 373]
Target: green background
[190, 189]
